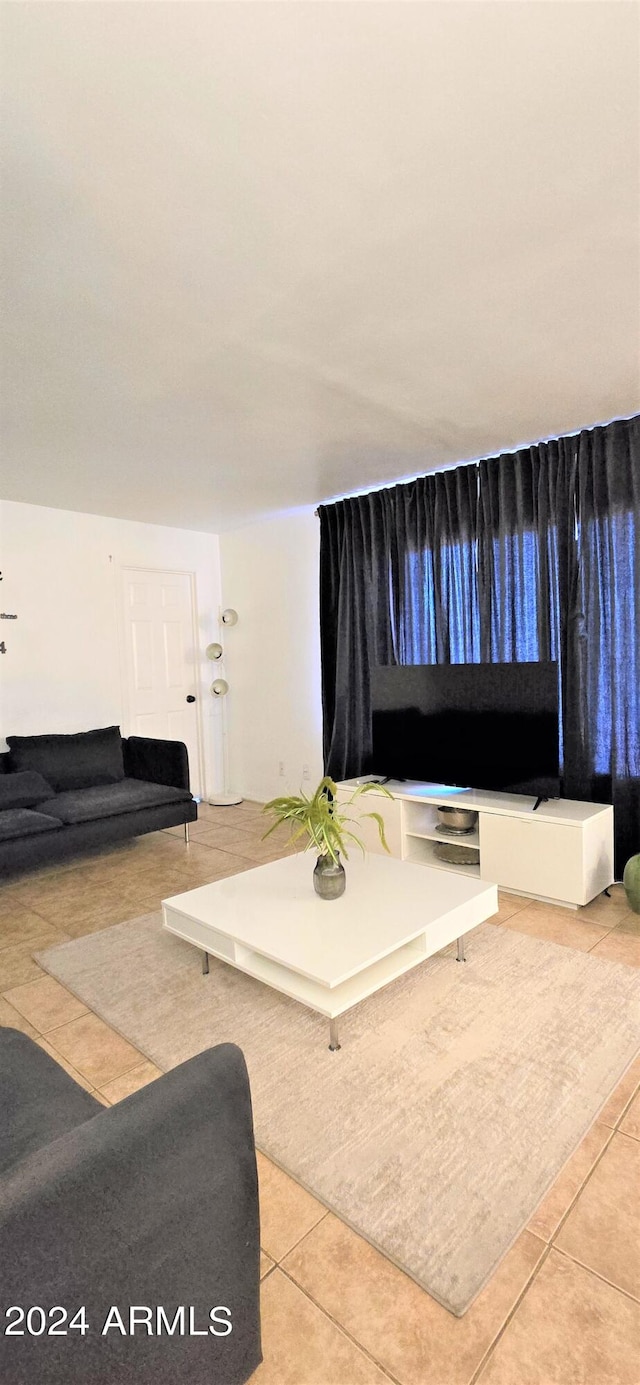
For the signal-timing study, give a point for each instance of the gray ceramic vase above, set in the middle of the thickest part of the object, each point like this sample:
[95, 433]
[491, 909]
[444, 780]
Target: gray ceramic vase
[631, 882]
[329, 879]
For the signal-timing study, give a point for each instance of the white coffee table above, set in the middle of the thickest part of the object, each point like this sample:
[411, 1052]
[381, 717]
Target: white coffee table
[330, 954]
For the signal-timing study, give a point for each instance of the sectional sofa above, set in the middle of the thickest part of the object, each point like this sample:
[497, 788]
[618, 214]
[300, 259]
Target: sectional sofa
[62, 794]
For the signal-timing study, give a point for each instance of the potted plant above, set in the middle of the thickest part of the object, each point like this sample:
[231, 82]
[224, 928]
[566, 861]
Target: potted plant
[327, 826]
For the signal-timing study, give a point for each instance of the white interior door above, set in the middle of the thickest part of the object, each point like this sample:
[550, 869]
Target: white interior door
[162, 660]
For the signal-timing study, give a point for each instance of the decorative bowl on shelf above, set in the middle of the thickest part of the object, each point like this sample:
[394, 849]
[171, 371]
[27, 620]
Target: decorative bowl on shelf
[456, 820]
[456, 855]
[451, 832]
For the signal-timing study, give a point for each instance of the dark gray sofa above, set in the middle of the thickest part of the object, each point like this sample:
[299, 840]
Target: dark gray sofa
[151, 1203]
[63, 794]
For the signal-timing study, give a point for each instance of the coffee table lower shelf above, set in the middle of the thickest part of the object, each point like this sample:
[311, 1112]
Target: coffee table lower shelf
[330, 1001]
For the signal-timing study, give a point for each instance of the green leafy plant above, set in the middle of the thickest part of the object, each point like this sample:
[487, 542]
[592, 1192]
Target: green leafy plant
[323, 819]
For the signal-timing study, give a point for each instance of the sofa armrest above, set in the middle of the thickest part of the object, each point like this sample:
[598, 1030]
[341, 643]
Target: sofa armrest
[39, 1101]
[152, 1203]
[160, 762]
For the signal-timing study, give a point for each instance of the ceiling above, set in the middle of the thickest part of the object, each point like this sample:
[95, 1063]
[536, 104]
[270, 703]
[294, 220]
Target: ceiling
[259, 255]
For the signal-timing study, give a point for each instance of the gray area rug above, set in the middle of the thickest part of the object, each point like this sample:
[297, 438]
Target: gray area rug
[459, 1093]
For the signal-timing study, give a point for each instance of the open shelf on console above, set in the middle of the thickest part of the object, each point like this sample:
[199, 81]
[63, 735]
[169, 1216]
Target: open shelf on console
[421, 823]
[421, 850]
[471, 839]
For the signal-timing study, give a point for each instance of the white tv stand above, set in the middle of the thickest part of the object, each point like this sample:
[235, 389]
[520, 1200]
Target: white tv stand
[562, 853]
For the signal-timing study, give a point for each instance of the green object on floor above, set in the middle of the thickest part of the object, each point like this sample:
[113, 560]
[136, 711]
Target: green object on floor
[631, 882]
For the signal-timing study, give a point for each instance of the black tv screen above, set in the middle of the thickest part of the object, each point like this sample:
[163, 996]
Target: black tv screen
[478, 726]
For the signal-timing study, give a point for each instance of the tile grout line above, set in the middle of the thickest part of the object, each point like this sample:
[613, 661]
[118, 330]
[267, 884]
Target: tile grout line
[623, 1113]
[43, 1032]
[110, 1079]
[126, 1074]
[22, 942]
[377, 1362]
[583, 1185]
[608, 933]
[513, 1310]
[596, 1273]
[143, 1056]
[636, 1091]
[304, 1235]
[345, 1332]
[551, 1245]
[140, 1060]
[55, 1027]
[75, 1074]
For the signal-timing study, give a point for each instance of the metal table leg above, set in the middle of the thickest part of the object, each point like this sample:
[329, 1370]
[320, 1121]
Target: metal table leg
[334, 1044]
[461, 957]
[205, 964]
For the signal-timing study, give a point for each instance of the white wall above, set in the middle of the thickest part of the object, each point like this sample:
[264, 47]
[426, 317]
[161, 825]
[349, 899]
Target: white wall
[60, 574]
[270, 575]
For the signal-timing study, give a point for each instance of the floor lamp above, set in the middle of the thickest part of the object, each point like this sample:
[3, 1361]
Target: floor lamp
[219, 689]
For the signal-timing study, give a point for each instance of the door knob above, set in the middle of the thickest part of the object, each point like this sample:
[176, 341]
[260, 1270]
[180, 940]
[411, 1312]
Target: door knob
[190, 697]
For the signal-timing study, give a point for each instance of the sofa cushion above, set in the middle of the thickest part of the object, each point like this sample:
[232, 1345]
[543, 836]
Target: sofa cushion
[71, 762]
[105, 801]
[23, 822]
[23, 790]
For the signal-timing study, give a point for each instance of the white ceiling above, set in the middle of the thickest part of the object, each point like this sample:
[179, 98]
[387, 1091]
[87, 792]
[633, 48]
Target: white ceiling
[262, 254]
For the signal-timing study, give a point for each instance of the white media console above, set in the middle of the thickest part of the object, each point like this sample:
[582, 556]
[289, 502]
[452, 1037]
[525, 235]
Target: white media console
[562, 853]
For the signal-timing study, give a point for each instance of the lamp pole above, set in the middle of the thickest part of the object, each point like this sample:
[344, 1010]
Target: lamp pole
[219, 690]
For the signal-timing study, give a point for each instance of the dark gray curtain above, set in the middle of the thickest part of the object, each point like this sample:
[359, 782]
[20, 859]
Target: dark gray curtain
[531, 555]
[602, 712]
[524, 568]
[358, 548]
[398, 585]
[527, 574]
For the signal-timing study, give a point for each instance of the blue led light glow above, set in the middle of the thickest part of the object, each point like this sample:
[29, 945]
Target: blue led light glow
[440, 789]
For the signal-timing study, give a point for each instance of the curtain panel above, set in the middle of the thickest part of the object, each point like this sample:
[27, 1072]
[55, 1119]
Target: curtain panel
[531, 555]
[398, 585]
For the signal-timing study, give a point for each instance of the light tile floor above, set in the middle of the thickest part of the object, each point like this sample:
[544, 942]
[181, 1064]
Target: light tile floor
[563, 1308]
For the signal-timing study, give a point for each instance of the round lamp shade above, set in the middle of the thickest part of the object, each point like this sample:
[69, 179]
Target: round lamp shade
[219, 687]
[213, 651]
[229, 617]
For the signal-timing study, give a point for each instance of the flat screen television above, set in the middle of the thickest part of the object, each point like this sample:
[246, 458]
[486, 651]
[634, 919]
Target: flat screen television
[479, 726]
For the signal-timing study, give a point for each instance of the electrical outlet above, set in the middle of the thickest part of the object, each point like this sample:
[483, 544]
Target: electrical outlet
[281, 768]
[305, 771]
